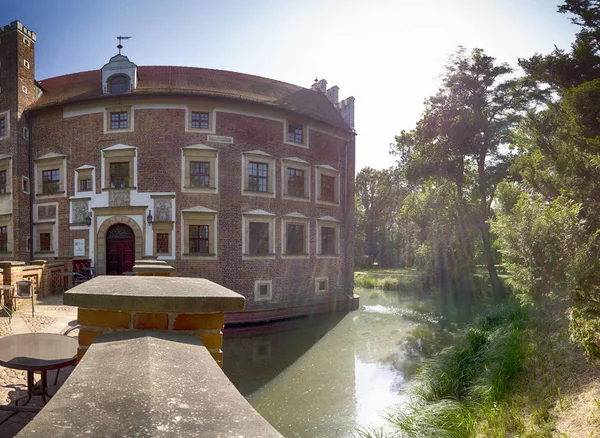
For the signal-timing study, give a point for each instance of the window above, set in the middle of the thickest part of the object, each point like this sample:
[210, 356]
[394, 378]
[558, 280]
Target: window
[45, 242]
[3, 130]
[25, 184]
[199, 225]
[327, 240]
[295, 176]
[84, 175]
[295, 134]
[321, 284]
[328, 185]
[118, 120]
[198, 239]
[119, 175]
[199, 169]
[4, 239]
[259, 238]
[258, 235]
[295, 238]
[295, 182]
[3, 183]
[119, 84]
[162, 243]
[328, 232]
[295, 233]
[50, 181]
[200, 120]
[327, 188]
[118, 169]
[199, 174]
[258, 176]
[85, 185]
[263, 290]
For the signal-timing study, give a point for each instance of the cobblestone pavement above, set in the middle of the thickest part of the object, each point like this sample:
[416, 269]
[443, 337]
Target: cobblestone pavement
[51, 316]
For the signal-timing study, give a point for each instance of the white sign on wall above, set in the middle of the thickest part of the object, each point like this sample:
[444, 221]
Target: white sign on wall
[79, 247]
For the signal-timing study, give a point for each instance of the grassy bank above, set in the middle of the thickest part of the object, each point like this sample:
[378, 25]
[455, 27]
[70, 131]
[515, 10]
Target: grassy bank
[464, 382]
[507, 376]
[388, 279]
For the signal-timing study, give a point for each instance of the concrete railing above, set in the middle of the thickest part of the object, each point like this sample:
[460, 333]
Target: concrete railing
[150, 350]
[148, 384]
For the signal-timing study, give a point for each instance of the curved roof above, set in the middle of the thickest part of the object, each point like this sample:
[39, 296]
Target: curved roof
[88, 85]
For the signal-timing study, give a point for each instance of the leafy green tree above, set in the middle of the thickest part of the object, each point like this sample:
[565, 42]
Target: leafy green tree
[461, 134]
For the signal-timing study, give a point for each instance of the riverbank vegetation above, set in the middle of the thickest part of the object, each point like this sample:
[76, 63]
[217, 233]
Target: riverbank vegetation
[504, 169]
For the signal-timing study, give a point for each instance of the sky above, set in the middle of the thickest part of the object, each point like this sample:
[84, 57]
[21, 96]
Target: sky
[389, 55]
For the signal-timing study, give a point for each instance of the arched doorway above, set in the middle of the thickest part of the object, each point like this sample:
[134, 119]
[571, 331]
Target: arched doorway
[120, 249]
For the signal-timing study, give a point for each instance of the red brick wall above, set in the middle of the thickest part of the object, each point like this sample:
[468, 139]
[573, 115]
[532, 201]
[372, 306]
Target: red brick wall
[159, 136]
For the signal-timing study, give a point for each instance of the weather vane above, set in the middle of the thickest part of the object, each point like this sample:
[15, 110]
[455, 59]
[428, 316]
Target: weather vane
[120, 46]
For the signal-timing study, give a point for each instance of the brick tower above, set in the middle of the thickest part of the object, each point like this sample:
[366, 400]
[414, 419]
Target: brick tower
[18, 90]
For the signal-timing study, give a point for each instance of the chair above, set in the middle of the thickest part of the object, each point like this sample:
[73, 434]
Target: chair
[78, 278]
[23, 290]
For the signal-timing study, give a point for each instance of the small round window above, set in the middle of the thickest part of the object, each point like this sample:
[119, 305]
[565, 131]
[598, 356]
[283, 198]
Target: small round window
[119, 84]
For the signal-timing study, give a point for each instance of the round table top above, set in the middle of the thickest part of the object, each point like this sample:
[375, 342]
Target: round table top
[37, 351]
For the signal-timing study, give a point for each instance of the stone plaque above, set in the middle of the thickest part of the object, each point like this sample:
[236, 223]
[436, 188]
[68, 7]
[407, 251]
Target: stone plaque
[46, 212]
[162, 210]
[219, 139]
[78, 247]
[80, 210]
[119, 198]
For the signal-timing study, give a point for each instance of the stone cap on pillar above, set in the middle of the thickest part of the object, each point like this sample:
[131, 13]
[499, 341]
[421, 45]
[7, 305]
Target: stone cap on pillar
[150, 262]
[154, 294]
[9, 263]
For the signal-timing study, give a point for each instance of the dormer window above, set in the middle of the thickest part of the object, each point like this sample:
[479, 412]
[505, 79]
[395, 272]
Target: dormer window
[118, 84]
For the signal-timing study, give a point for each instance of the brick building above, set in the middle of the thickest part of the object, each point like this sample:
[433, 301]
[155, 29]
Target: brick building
[240, 179]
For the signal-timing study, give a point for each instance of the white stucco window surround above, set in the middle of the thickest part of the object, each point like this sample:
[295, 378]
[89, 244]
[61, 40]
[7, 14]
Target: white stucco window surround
[321, 285]
[199, 233]
[6, 187]
[50, 172]
[258, 174]
[258, 235]
[263, 290]
[202, 119]
[199, 169]
[45, 229]
[4, 125]
[85, 180]
[295, 133]
[295, 179]
[119, 119]
[124, 155]
[328, 237]
[327, 187]
[295, 232]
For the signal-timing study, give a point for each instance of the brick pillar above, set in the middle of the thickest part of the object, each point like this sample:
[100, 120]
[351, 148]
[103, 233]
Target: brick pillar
[191, 306]
[153, 268]
[45, 280]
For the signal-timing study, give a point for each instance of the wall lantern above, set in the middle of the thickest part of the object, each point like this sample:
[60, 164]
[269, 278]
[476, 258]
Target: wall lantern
[88, 219]
[149, 217]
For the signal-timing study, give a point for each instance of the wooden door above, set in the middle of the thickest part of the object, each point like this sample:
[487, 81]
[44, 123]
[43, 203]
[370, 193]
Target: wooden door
[120, 250]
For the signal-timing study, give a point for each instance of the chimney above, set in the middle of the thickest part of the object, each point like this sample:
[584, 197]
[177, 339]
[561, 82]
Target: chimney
[320, 86]
[346, 109]
[332, 94]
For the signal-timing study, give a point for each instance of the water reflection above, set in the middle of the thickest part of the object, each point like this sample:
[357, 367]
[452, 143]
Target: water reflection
[324, 376]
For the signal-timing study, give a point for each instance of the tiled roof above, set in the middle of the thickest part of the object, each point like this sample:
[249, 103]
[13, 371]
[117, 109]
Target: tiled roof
[87, 85]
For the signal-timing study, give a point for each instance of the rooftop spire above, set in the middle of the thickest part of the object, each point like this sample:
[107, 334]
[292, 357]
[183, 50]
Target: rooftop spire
[120, 46]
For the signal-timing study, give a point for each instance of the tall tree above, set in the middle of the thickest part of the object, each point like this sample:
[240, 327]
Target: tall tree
[463, 129]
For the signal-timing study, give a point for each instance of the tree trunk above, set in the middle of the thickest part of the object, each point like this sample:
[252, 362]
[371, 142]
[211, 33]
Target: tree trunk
[497, 286]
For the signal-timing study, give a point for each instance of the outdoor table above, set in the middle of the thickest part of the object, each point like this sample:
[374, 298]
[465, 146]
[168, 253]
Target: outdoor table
[36, 352]
[65, 277]
[6, 303]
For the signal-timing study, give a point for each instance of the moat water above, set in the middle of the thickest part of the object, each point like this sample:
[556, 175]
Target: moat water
[325, 376]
